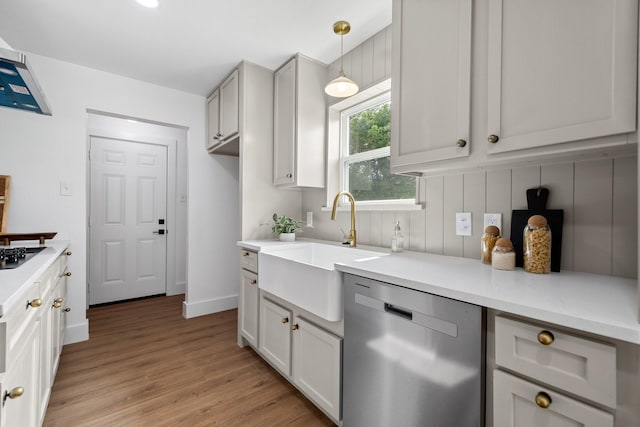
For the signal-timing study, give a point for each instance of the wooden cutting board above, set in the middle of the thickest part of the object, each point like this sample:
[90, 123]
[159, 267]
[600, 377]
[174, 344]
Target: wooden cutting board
[5, 184]
[7, 238]
[537, 200]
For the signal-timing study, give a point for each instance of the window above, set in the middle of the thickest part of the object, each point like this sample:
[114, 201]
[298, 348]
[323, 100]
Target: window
[365, 154]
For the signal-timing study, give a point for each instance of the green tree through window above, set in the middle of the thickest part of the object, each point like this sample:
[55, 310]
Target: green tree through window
[367, 162]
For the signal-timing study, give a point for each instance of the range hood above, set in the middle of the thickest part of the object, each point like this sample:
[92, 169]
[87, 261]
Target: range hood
[18, 86]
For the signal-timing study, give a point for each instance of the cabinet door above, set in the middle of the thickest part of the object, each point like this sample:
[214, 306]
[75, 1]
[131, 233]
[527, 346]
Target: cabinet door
[275, 335]
[249, 306]
[229, 106]
[515, 405]
[317, 357]
[284, 129]
[47, 326]
[59, 323]
[23, 410]
[431, 71]
[213, 120]
[560, 71]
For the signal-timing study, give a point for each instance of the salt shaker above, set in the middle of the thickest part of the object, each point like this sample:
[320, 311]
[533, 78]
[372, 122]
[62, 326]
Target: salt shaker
[537, 245]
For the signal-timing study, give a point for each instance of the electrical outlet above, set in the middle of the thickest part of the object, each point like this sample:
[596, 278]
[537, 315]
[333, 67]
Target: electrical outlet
[493, 219]
[463, 224]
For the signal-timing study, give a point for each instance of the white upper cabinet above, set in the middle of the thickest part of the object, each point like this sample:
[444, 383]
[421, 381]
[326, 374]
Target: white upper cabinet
[560, 71]
[223, 111]
[299, 123]
[213, 120]
[431, 71]
[229, 106]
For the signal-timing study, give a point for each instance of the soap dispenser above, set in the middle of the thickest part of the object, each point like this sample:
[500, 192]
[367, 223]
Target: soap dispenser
[397, 240]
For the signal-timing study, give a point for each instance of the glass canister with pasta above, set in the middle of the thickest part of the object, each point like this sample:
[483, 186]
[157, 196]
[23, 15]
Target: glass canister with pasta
[537, 245]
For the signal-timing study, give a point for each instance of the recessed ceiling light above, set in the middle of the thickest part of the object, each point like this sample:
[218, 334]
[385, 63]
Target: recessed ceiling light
[148, 3]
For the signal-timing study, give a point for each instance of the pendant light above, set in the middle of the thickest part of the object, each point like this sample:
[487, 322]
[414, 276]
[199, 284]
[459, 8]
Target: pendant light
[341, 86]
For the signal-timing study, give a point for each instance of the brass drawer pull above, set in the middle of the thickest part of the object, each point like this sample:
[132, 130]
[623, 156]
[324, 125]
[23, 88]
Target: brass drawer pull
[543, 400]
[68, 274]
[14, 393]
[461, 143]
[285, 320]
[245, 253]
[35, 303]
[254, 281]
[493, 139]
[545, 337]
[295, 327]
[66, 310]
[68, 253]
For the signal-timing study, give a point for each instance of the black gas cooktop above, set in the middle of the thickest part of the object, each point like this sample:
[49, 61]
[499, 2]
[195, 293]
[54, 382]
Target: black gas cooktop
[15, 257]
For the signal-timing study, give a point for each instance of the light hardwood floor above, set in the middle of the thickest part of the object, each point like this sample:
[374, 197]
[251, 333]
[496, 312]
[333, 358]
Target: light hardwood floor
[145, 365]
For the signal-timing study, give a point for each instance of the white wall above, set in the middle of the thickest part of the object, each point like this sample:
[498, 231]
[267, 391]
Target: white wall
[40, 151]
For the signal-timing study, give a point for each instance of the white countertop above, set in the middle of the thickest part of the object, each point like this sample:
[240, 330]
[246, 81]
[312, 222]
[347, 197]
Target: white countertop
[602, 305]
[12, 281]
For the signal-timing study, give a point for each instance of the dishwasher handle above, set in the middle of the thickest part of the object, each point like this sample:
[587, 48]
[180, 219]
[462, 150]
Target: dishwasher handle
[402, 312]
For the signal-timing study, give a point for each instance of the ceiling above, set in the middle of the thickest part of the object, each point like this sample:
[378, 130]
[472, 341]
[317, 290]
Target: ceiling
[189, 45]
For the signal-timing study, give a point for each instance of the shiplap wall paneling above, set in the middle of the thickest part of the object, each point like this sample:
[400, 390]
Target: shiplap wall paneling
[453, 202]
[367, 62]
[521, 180]
[559, 180]
[474, 201]
[434, 213]
[356, 65]
[498, 197]
[375, 224]
[363, 227]
[625, 218]
[417, 221]
[380, 53]
[593, 206]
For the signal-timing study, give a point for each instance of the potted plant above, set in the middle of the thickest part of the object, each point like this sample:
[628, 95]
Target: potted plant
[285, 227]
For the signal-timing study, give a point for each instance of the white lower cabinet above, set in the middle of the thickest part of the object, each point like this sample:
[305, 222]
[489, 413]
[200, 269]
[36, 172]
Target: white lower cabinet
[275, 336]
[317, 365]
[20, 386]
[520, 403]
[307, 355]
[556, 378]
[31, 338]
[249, 303]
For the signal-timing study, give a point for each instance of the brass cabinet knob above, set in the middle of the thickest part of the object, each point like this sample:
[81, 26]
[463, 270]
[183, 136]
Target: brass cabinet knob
[294, 327]
[461, 143]
[60, 300]
[35, 303]
[289, 175]
[66, 310]
[57, 304]
[68, 253]
[545, 337]
[493, 138]
[543, 400]
[254, 281]
[14, 393]
[245, 253]
[68, 274]
[285, 320]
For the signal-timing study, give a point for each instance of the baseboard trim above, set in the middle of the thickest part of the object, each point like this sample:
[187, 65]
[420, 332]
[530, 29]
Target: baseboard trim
[201, 308]
[76, 333]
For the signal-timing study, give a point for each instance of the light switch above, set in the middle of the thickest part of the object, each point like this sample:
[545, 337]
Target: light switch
[66, 189]
[463, 223]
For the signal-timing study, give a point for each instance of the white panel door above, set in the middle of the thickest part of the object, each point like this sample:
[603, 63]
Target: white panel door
[128, 200]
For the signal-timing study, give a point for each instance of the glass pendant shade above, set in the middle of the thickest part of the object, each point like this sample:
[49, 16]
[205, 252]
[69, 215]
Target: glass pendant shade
[341, 87]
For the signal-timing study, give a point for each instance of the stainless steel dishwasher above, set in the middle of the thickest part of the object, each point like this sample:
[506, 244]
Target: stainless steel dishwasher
[410, 358]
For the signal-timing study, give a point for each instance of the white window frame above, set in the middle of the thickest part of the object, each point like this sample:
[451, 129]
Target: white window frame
[346, 159]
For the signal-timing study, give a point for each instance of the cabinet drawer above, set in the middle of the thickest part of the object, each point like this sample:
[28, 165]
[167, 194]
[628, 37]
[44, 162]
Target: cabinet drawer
[584, 367]
[249, 260]
[515, 405]
[16, 321]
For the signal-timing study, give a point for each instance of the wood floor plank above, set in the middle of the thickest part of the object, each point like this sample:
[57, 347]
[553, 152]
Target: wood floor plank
[145, 365]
